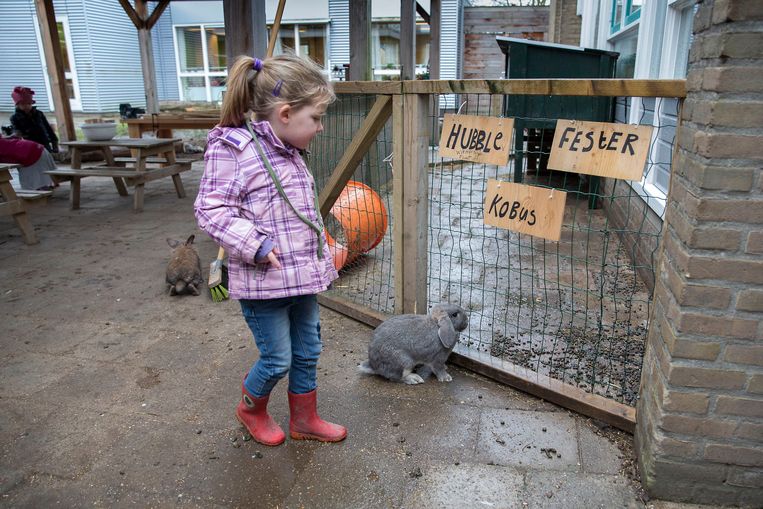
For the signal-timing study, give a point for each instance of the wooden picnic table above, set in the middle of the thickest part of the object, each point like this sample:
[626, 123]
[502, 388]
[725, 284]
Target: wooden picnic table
[13, 205]
[152, 158]
[164, 123]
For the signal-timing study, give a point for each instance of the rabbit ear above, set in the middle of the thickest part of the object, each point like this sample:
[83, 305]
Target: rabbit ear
[446, 332]
[190, 240]
[173, 243]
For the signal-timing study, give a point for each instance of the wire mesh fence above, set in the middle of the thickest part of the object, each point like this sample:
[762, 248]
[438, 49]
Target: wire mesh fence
[576, 310]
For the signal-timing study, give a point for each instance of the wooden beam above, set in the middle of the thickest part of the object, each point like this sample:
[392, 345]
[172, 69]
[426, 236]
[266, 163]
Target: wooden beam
[372, 125]
[355, 311]
[147, 59]
[410, 164]
[435, 8]
[157, 13]
[360, 40]
[567, 87]
[276, 27]
[407, 40]
[367, 87]
[237, 16]
[46, 19]
[134, 16]
[423, 13]
[259, 28]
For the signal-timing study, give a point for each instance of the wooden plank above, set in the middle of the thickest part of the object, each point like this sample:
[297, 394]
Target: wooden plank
[373, 123]
[355, 311]
[11, 208]
[100, 171]
[567, 87]
[360, 40]
[368, 87]
[46, 19]
[157, 173]
[616, 414]
[533, 210]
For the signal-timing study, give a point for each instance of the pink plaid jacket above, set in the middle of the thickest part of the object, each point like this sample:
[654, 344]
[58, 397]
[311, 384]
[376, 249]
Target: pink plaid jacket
[239, 207]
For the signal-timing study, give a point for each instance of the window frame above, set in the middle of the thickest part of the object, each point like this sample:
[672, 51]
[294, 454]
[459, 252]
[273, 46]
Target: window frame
[628, 16]
[205, 72]
[75, 103]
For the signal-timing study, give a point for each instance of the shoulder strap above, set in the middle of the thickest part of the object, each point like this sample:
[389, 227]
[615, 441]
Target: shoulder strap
[277, 182]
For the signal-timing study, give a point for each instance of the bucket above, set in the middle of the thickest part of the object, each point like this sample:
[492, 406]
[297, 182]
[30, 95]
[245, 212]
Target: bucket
[360, 221]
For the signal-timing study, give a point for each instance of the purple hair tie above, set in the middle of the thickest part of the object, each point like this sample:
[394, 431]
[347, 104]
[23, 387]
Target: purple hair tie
[257, 64]
[277, 88]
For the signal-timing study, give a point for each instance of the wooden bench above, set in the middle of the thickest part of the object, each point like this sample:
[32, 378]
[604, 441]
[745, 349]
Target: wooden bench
[123, 175]
[13, 206]
[29, 195]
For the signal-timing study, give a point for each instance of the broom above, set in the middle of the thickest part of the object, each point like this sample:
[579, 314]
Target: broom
[218, 277]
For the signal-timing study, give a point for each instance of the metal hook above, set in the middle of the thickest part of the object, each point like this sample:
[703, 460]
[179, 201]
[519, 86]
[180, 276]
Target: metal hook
[459, 108]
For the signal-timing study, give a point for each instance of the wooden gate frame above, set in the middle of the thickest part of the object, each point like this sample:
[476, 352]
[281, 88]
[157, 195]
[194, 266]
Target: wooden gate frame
[410, 103]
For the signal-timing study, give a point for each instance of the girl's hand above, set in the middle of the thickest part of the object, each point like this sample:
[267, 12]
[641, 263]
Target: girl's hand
[271, 259]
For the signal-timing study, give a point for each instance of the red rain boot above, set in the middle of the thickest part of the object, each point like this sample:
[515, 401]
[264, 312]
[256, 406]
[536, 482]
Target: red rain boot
[304, 423]
[253, 414]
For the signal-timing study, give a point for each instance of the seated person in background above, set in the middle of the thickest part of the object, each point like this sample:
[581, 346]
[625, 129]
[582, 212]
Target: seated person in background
[34, 161]
[29, 122]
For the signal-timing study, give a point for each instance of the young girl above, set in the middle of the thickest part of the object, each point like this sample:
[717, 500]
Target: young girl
[258, 200]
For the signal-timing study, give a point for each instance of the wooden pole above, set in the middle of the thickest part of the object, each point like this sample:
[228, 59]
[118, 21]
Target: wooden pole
[46, 18]
[407, 39]
[435, 21]
[360, 40]
[147, 58]
[276, 27]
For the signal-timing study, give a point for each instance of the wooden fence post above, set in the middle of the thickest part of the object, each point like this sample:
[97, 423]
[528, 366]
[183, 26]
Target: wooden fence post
[410, 145]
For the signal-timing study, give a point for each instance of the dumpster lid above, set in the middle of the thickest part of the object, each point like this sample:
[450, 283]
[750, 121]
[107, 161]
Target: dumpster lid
[505, 42]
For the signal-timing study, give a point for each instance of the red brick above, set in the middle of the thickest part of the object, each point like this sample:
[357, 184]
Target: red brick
[732, 79]
[739, 10]
[747, 456]
[728, 269]
[721, 326]
[695, 472]
[733, 405]
[685, 402]
[752, 478]
[698, 426]
[715, 238]
[745, 354]
[705, 176]
[728, 145]
[725, 209]
[689, 349]
[731, 45]
[692, 376]
[750, 431]
[750, 300]
[756, 384]
[755, 243]
[677, 448]
[734, 113]
[713, 297]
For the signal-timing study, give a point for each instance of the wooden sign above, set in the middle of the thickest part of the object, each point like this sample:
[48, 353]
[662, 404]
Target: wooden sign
[600, 148]
[475, 138]
[525, 209]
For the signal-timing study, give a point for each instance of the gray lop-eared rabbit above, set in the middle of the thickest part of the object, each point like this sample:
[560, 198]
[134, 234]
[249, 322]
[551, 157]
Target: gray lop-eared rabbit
[184, 268]
[421, 343]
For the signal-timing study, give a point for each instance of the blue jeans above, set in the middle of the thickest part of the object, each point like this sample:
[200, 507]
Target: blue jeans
[287, 332]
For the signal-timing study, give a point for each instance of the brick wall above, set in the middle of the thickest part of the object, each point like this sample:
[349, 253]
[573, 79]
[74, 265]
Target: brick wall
[700, 417]
[564, 23]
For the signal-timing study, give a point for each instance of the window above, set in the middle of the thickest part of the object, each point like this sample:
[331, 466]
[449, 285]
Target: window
[201, 62]
[70, 71]
[303, 40]
[385, 44]
[624, 14]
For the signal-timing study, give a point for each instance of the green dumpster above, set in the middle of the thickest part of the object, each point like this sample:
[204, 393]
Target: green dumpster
[535, 116]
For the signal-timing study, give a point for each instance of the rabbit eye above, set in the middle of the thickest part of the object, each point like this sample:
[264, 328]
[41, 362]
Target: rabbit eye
[454, 315]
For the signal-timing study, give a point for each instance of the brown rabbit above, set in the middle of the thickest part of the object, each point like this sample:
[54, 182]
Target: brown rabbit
[184, 268]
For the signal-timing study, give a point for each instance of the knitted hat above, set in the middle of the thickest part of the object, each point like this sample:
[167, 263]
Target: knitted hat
[23, 95]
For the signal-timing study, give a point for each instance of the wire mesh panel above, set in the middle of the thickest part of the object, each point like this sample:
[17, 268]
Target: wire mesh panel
[576, 310]
[360, 223]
